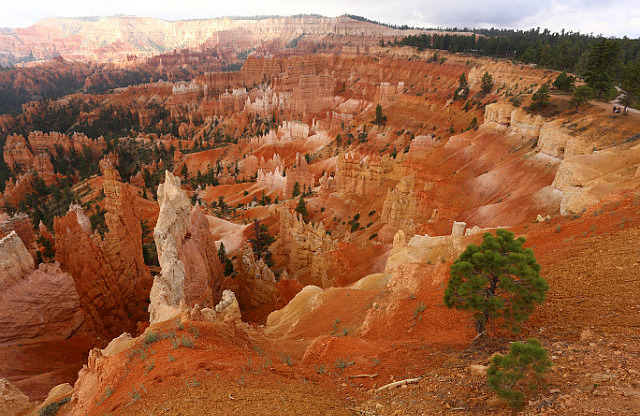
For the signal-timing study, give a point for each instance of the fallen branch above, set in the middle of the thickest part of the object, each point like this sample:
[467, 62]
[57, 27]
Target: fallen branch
[364, 375]
[400, 383]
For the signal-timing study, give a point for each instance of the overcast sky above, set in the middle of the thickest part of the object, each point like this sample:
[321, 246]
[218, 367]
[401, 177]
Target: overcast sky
[607, 17]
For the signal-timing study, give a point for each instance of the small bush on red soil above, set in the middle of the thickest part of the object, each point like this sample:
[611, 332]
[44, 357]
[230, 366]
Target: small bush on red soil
[520, 371]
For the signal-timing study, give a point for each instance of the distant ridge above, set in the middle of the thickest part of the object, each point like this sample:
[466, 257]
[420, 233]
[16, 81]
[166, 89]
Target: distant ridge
[116, 38]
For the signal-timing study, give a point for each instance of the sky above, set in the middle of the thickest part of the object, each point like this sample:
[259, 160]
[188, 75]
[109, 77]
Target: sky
[606, 17]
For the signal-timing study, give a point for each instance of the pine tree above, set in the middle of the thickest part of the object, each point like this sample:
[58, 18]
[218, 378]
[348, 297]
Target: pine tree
[631, 83]
[222, 252]
[296, 189]
[301, 208]
[564, 82]
[500, 279]
[262, 240]
[540, 98]
[486, 83]
[604, 63]
[462, 81]
[581, 95]
[184, 172]
[224, 260]
[381, 119]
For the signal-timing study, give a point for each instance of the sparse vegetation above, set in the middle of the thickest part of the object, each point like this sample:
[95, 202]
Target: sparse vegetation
[52, 408]
[108, 392]
[342, 363]
[186, 342]
[152, 336]
[286, 359]
[418, 311]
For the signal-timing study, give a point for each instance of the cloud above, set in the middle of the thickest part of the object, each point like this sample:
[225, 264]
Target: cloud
[608, 17]
[474, 13]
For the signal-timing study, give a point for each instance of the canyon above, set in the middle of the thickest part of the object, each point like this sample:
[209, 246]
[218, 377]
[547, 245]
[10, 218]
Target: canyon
[226, 239]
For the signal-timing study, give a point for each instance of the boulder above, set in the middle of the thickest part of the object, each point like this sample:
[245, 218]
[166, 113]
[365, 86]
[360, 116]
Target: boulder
[12, 400]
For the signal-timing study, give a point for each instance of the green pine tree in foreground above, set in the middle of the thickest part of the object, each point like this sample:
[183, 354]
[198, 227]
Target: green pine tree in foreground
[499, 279]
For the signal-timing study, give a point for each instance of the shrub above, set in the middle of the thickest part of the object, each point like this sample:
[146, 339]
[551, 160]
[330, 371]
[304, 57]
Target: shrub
[498, 279]
[52, 408]
[519, 371]
[342, 363]
[186, 342]
[151, 337]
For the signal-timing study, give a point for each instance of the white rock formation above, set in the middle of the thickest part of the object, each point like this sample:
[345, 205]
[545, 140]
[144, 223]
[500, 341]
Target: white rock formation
[173, 225]
[458, 229]
[84, 222]
[15, 260]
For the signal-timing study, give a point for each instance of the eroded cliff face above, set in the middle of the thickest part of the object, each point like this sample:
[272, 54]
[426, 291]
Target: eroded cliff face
[191, 271]
[122, 247]
[42, 305]
[110, 276]
[21, 224]
[306, 247]
[106, 37]
[203, 272]
[255, 283]
[412, 186]
[79, 253]
[584, 175]
[12, 400]
[586, 179]
[365, 175]
[34, 303]
[402, 209]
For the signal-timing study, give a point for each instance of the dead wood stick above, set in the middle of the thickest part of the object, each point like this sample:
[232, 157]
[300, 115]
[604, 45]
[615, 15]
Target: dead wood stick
[400, 383]
[364, 375]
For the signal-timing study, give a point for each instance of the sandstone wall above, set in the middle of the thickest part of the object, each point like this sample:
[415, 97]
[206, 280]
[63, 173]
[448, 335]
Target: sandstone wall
[255, 284]
[402, 209]
[122, 246]
[21, 224]
[306, 246]
[80, 254]
[365, 175]
[34, 303]
[42, 304]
